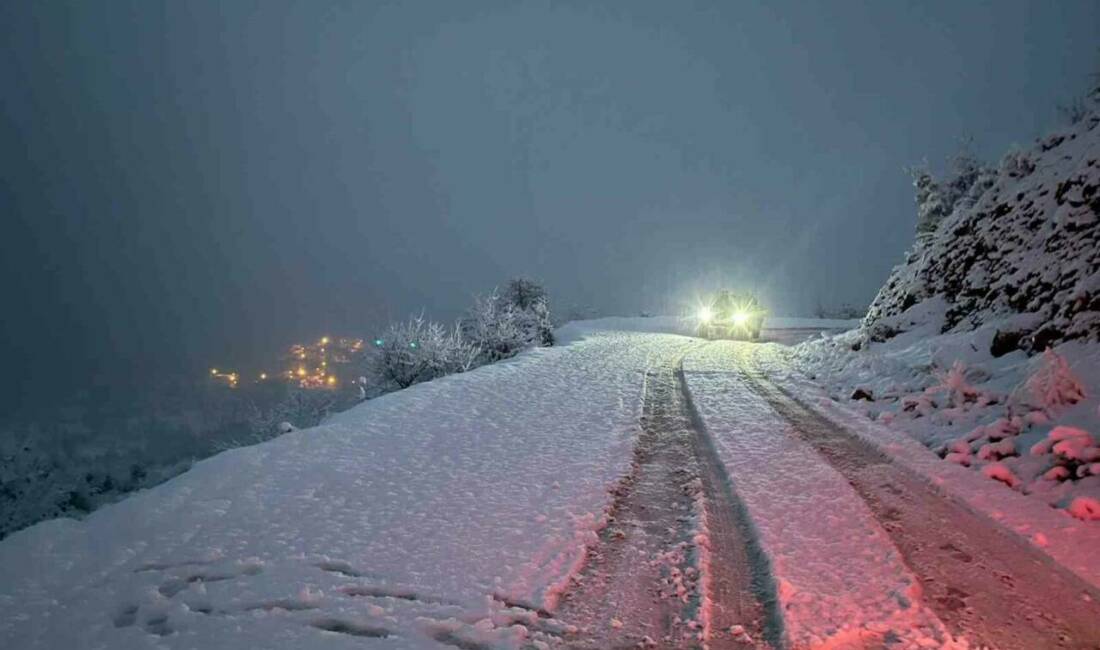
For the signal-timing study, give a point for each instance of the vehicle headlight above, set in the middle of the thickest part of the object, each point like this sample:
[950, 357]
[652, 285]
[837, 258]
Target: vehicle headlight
[705, 314]
[740, 318]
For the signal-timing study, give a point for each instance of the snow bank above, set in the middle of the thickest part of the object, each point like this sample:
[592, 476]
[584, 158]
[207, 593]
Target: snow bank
[1065, 535]
[453, 511]
[986, 412]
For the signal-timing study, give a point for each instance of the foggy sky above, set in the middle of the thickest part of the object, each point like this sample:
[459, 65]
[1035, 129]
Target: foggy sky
[187, 183]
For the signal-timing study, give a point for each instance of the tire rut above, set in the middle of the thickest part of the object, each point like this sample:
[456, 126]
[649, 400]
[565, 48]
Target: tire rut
[986, 584]
[674, 567]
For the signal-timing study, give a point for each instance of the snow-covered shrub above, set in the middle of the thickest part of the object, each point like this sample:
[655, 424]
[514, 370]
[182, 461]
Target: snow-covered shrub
[932, 204]
[524, 293]
[1000, 472]
[502, 324]
[1084, 508]
[532, 309]
[493, 325]
[964, 184]
[420, 350]
[1053, 385]
[1074, 452]
[536, 325]
[954, 384]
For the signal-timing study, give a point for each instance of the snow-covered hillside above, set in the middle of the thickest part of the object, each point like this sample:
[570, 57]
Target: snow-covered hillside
[1028, 248]
[985, 343]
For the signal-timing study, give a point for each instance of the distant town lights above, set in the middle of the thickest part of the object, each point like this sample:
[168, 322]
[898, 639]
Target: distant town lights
[309, 366]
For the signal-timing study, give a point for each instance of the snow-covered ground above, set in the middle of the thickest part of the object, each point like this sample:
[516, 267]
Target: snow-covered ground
[456, 513]
[1029, 423]
[410, 519]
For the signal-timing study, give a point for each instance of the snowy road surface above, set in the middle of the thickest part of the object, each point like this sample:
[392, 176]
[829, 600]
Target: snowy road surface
[591, 495]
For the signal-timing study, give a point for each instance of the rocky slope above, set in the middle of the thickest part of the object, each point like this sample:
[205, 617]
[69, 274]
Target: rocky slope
[1029, 245]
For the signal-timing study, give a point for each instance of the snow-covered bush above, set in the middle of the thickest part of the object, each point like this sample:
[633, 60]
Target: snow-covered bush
[1053, 385]
[524, 293]
[418, 350]
[532, 309]
[964, 184]
[954, 384]
[502, 324]
[493, 325]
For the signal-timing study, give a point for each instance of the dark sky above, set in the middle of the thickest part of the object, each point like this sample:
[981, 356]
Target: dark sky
[190, 182]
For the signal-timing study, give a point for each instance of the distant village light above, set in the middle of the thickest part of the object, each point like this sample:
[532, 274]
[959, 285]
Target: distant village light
[308, 364]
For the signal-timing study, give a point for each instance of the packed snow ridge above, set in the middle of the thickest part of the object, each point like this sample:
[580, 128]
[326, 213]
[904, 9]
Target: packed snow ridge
[985, 343]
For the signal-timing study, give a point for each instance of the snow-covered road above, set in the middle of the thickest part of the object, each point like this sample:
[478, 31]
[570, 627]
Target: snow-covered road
[868, 550]
[677, 566]
[588, 495]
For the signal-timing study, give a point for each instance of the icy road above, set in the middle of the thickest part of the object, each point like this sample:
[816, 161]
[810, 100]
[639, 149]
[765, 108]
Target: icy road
[626, 489]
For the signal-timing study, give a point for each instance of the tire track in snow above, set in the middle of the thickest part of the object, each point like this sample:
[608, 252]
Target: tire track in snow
[984, 583]
[741, 585]
[677, 566]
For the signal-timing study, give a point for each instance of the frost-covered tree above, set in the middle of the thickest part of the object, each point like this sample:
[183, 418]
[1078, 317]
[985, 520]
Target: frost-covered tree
[932, 208]
[967, 179]
[502, 324]
[532, 308]
[419, 350]
[493, 325]
[524, 293]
